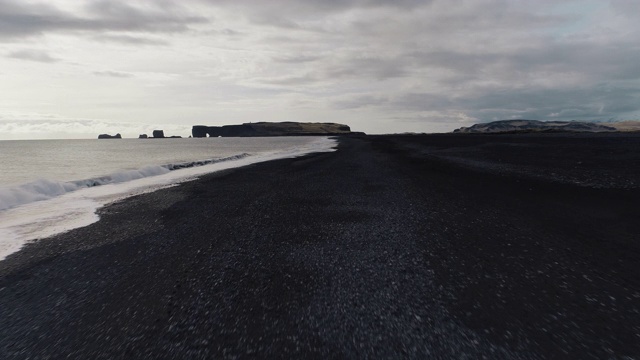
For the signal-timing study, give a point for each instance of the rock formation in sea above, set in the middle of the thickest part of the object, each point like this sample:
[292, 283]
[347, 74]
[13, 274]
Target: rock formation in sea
[158, 134]
[271, 129]
[107, 136]
[513, 126]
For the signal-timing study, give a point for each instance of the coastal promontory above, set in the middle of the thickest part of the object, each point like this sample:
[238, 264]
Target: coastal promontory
[107, 136]
[271, 129]
[521, 125]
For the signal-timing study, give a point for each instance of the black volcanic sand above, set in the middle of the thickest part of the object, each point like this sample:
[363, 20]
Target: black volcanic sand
[447, 246]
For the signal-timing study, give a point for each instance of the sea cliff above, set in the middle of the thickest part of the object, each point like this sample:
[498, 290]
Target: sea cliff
[271, 129]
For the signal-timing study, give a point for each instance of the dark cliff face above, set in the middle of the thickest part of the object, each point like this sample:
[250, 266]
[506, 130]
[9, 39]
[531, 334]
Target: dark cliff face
[158, 134]
[271, 129]
[107, 136]
[224, 131]
[199, 131]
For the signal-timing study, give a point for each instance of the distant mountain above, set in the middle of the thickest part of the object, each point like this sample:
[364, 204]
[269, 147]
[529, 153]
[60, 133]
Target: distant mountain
[629, 125]
[520, 125]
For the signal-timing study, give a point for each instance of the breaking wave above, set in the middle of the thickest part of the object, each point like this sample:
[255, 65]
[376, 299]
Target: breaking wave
[45, 189]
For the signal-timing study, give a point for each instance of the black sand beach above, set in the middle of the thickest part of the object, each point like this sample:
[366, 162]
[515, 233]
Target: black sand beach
[439, 246]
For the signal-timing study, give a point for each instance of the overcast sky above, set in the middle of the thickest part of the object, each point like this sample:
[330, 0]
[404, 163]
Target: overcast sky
[78, 68]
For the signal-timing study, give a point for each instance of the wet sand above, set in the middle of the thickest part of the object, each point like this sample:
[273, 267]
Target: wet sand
[439, 246]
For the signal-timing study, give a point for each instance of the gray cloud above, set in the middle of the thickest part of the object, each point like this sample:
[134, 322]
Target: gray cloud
[373, 67]
[489, 60]
[301, 14]
[361, 101]
[407, 61]
[152, 17]
[297, 59]
[33, 55]
[115, 74]
[315, 6]
[331, 69]
[306, 79]
[21, 19]
[592, 104]
[230, 32]
[130, 40]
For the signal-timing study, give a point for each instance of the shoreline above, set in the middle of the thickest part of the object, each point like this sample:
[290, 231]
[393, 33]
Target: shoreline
[390, 247]
[43, 208]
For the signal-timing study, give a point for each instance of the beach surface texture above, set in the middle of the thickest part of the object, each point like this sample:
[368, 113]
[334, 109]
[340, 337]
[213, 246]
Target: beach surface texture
[439, 246]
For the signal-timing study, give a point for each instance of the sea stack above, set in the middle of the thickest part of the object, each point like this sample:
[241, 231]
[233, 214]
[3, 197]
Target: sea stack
[158, 134]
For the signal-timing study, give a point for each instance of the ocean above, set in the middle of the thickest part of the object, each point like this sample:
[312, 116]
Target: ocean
[51, 186]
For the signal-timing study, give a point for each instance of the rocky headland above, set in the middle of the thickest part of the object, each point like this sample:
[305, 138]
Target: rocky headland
[255, 130]
[271, 129]
[629, 125]
[521, 125]
[107, 136]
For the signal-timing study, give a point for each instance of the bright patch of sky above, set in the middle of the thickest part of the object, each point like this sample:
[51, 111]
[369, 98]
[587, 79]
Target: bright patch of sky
[583, 14]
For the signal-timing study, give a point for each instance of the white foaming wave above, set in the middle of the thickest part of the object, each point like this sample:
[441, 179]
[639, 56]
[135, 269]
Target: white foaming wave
[44, 189]
[122, 176]
[185, 165]
[35, 191]
[45, 208]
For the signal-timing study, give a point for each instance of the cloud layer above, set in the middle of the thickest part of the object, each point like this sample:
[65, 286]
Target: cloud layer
[21, 19]
[380, 66]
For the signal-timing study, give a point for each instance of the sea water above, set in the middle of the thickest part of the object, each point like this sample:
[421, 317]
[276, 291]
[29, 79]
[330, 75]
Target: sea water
[52, 186]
